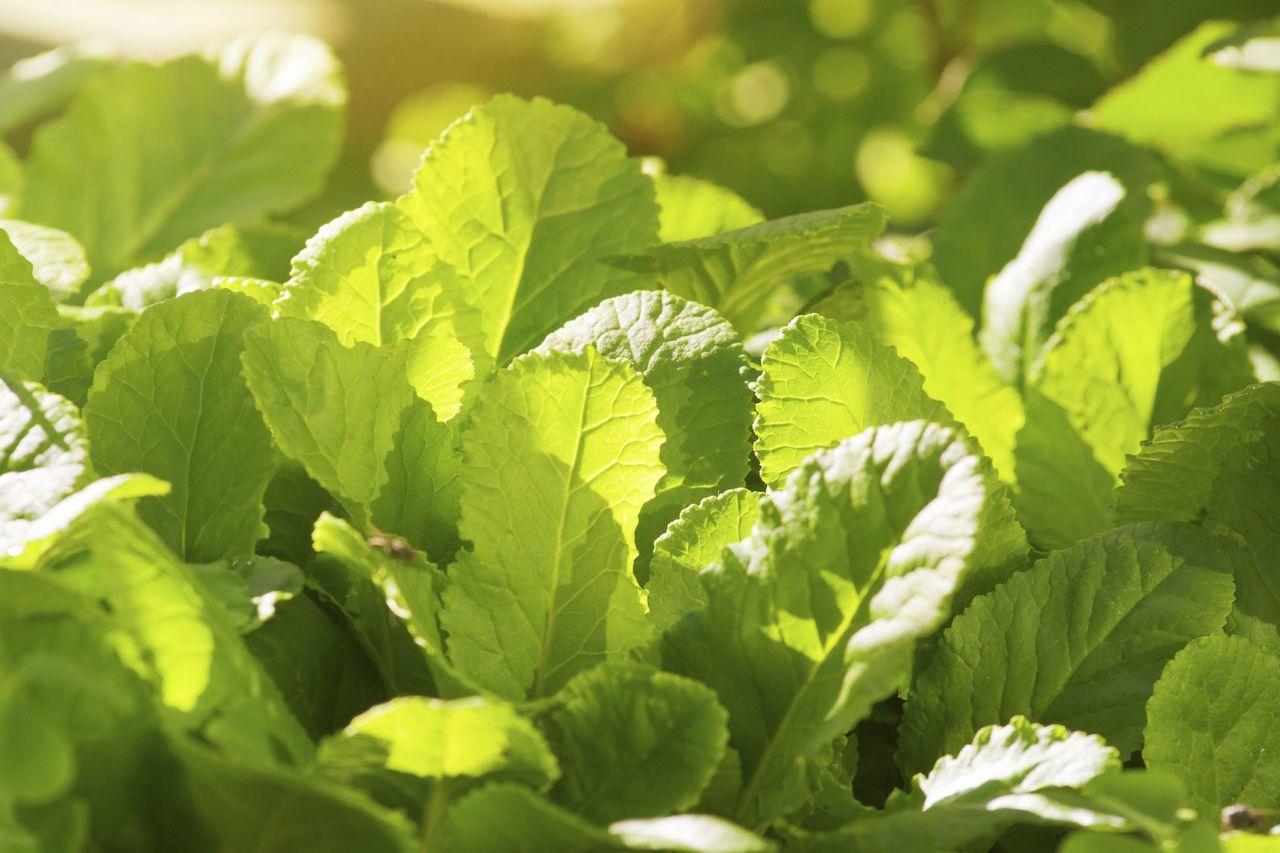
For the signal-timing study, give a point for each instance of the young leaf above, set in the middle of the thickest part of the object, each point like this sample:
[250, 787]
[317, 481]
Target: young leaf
[1078, 639]
[815, 616]
[147, 156]
[692, 543]
[523, 199]
[1139, 351]
[691, 208]
[560, 455]
[170, 401]
[911, 311]
[43, 453]
[633, 742]
[823, 382]
[693, 362]
[370, 275]
[1213, 722]
[738, 272]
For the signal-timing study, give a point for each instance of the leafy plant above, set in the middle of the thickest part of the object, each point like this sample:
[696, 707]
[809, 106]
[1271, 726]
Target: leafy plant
[559, 506]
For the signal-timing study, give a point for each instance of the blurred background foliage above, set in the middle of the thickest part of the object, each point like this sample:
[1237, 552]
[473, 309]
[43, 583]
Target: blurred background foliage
[795, 104]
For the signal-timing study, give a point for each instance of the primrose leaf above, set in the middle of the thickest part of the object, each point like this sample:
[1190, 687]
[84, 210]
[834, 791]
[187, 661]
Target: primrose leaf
[693, 362]
[57, 260]
[1213, 722]
[1083, 236]
[1139, 351]
[523, 199]
[170, 401]
[691, 208]
[335, 409]
[44, 456]
[370, 275]
[147, 156]
[560, 455]
[738, 272]
[633, 742]
[1012, 189]
[692, 542]
[822, 382]
[815, 616]
[1078, 639]
[27, 316]
[911, 311]
[1008, 774]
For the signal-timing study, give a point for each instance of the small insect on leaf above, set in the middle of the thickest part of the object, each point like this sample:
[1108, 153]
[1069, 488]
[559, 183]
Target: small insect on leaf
[392, 546]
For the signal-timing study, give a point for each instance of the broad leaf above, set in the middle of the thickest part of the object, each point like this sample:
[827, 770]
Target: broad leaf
[27, 316]
[1213, 722]
[739, 272]
[43, 453]
[560, 455]
[815, 616]
[1078, 639]
[824, 381]
[693, 362]
[691, 208]
[523, 199]
[633, 742]
[170, 401]
[147, 156]
[1139, 351]
[57, 260]
[693, 542]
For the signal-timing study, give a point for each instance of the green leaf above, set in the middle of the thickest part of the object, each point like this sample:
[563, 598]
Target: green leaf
[147, 156]
[633, 742]
[692, 543]
[12, 181]
[1182, 102]
[693, 362]
[170, 401]
[688, 833]
[815, 617]
[441, 370]
[40, 84]
[824, 381]
[335, 409]
[691, 208]
[560, 455]
[57, 260]
[260, 251]
[1078, 639]
[248, 807]
[180, 638]
[27, 316]
[1139, 351]
[471, 738]
[911, 311]
[1251, 48]
[371, 276]
[523, 199]
[1083, 236]
[1008, 774]
[739, 272]
[43, 453]
[1012, 189]
[1213, 722]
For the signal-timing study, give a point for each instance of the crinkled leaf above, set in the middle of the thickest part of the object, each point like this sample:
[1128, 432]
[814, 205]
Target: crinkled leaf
[43, 453]
[560, 455]
[633, 742]
[1213, 722]
[693, 362]
[1139, 351]
[1078, 639]
[27, 316]
[523, 199]
[149, 155]
[822, 382]
[170, 401]
[440, 369]
[57, 260]
[693, 542]
[815, 616]
[738, 272]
